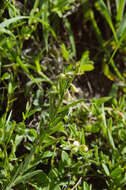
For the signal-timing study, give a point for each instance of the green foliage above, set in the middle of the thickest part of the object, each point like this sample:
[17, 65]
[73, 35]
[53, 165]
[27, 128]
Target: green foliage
[116, 30]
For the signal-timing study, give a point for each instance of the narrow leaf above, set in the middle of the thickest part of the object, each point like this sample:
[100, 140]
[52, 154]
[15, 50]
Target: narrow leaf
[111, 140]
[106, 169]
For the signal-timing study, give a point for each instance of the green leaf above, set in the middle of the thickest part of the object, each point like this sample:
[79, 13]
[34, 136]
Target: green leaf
[5, 76]
[124, 150]
[32, 112]
[65, 159]
[85, 67]
[58, 128]
[64, 108]
[106, 169]
[49, 140]
[41, 179]
[96, 28]
[101, 100]
[104, 126]
[82, 136]
[122, 28]
[100, 5]
[17, 141]
[45, 15]
[114, 90]
[10, 88]
[85, 64]
[27, 162]
[116, 172]
[86, 186]
[11, 183]
[107, 72]
[71, 36]
[3, 30]
[7, 22]
[24, 178]
[120, 10]
[94, 128]
[22, 65]
[65, 52]
[32, 135]
[122, 135]
[111, 141]
[47, 154]
[123, 181]
[96, 154]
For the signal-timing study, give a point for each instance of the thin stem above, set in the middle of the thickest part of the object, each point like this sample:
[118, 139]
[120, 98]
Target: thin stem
[75, 186]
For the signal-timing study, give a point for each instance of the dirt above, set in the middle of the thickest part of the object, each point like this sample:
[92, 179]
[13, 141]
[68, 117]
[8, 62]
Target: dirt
[94, 83]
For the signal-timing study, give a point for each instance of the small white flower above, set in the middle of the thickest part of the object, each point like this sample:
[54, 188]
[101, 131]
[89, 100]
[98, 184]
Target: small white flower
[90, 114]
[76, 143]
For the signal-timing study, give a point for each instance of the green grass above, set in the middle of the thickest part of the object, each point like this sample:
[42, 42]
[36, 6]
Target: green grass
[49, 138]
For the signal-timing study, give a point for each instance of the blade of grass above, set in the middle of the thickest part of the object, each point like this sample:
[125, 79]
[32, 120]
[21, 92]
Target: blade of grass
[120, 11]
[63, 91]
[110, 138]
[14, 177]
[82, 136]
[115, 51]
[109, 6]
[4, 6]
[3, 30]
[7, 22]
[96, 28]
[71, 37]
[27, 162]
[24, 67]
[104, 127]
[45, 14]
[24, 178]
[100, 5]
[36, 3]
[101, 41]
[106, 169]
[122, 28]
[117, 4]
[70, 105]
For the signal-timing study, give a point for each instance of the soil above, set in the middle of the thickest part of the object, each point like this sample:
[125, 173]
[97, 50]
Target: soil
[94, 83]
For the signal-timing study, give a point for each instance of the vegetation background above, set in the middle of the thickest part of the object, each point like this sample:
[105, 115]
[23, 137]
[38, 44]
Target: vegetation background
[63, 102]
